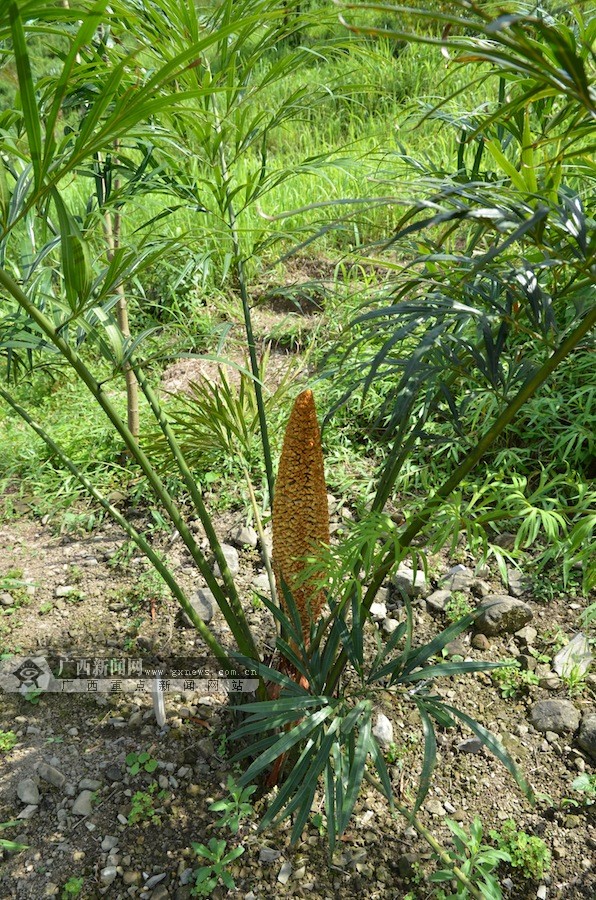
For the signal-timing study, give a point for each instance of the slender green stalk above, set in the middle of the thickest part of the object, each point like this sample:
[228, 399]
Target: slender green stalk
[250, 338]
[429, 838]
[136, 452]
[434, 502]
[214, 645]
[191, 485]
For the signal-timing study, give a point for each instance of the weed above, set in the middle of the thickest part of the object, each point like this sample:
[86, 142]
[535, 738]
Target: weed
[586, 784]
[236, 808]
[207, 877]
[143, 805]
[33, 696]
[138, 761]
[7, 741]
[45, 608]
[458, 606]
[513, 680]
[72, 887]
[526, 852]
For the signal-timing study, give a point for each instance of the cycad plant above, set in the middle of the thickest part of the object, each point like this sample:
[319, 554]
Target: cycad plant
[56, 297]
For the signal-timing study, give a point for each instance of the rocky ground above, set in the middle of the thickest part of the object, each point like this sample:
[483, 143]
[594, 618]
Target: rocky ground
[85, 813]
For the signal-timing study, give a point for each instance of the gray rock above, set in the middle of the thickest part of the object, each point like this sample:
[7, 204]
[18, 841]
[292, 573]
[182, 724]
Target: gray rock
[160, 893]
[154, 880]
[378, 611]
[506, 540]
[131, 877]
[412, 585]
[436, 602]
[114, 773]
[28, 792]
[244, 536]
[65, 590]
[268, 854]
[109, 842]
[261, 583]
[28, 812]
[390, 625]
[526, 636]
[233, 560]
[203, 603]
[6, 599]
[501, 614]
[517, 582]
[108, 874]
[560, 716]
[587, 734]
[284, 873]
[383, 730]
[83, 804]
[435, 808]
[470, 745]
[51, 775]
[89, 784]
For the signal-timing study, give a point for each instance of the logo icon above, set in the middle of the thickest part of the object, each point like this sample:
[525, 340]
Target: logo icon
[25, 673]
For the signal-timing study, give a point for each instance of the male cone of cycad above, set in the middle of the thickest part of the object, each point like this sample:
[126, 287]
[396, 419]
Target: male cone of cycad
[300, 511]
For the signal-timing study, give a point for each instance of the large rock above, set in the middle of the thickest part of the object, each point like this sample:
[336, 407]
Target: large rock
[414, 585]
[203, 603]
[587, 734]
[231, 557]
[502, 614]
[560, 716]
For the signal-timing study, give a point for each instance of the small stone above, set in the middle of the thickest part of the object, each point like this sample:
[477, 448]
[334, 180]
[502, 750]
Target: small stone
[83, 804]
[203, 603]
[390, 625]
[408, 865]
[268, 854]
[160, 893]
[542, 892]
[560, 716]
[435, 808]
[51, 889]
[506, 540]
[109, 842]
[6, 599]
[480, 642]
[436, 602]
[261, 583]
[131, 877]
[28, 812]
[154, 880]
[378, 611]
[517, 582]
[28, 792]
[244, 536]
[526, 637]
[284, 873]
[114, 773]
[108, 874]
[470, 745]
[233, 560]
[65, 590]
[550, 682]
[414, 585]
[501, 614]
[51, 775]
[89, 784]
[456, 648]
[383, 730]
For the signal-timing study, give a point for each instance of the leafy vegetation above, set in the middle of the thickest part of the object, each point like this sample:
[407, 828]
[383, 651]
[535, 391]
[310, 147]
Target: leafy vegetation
[154, 179]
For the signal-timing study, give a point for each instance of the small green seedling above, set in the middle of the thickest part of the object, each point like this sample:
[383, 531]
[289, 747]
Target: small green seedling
[7, 741]
[143, 806]
[237, 807]
[208, 877]
[526, 852]
[72, 887]
[138, 761]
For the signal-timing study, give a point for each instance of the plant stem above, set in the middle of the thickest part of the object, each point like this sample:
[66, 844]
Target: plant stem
[136, 452]
[434, 503]
[141, 542]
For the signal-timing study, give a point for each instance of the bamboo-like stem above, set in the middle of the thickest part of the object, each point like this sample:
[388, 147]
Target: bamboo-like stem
[429, 838]
[136, 452]
[250, 338]
[195, 494]
[433, 504]
[141, 542]
[261, 533]
[112, 229]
